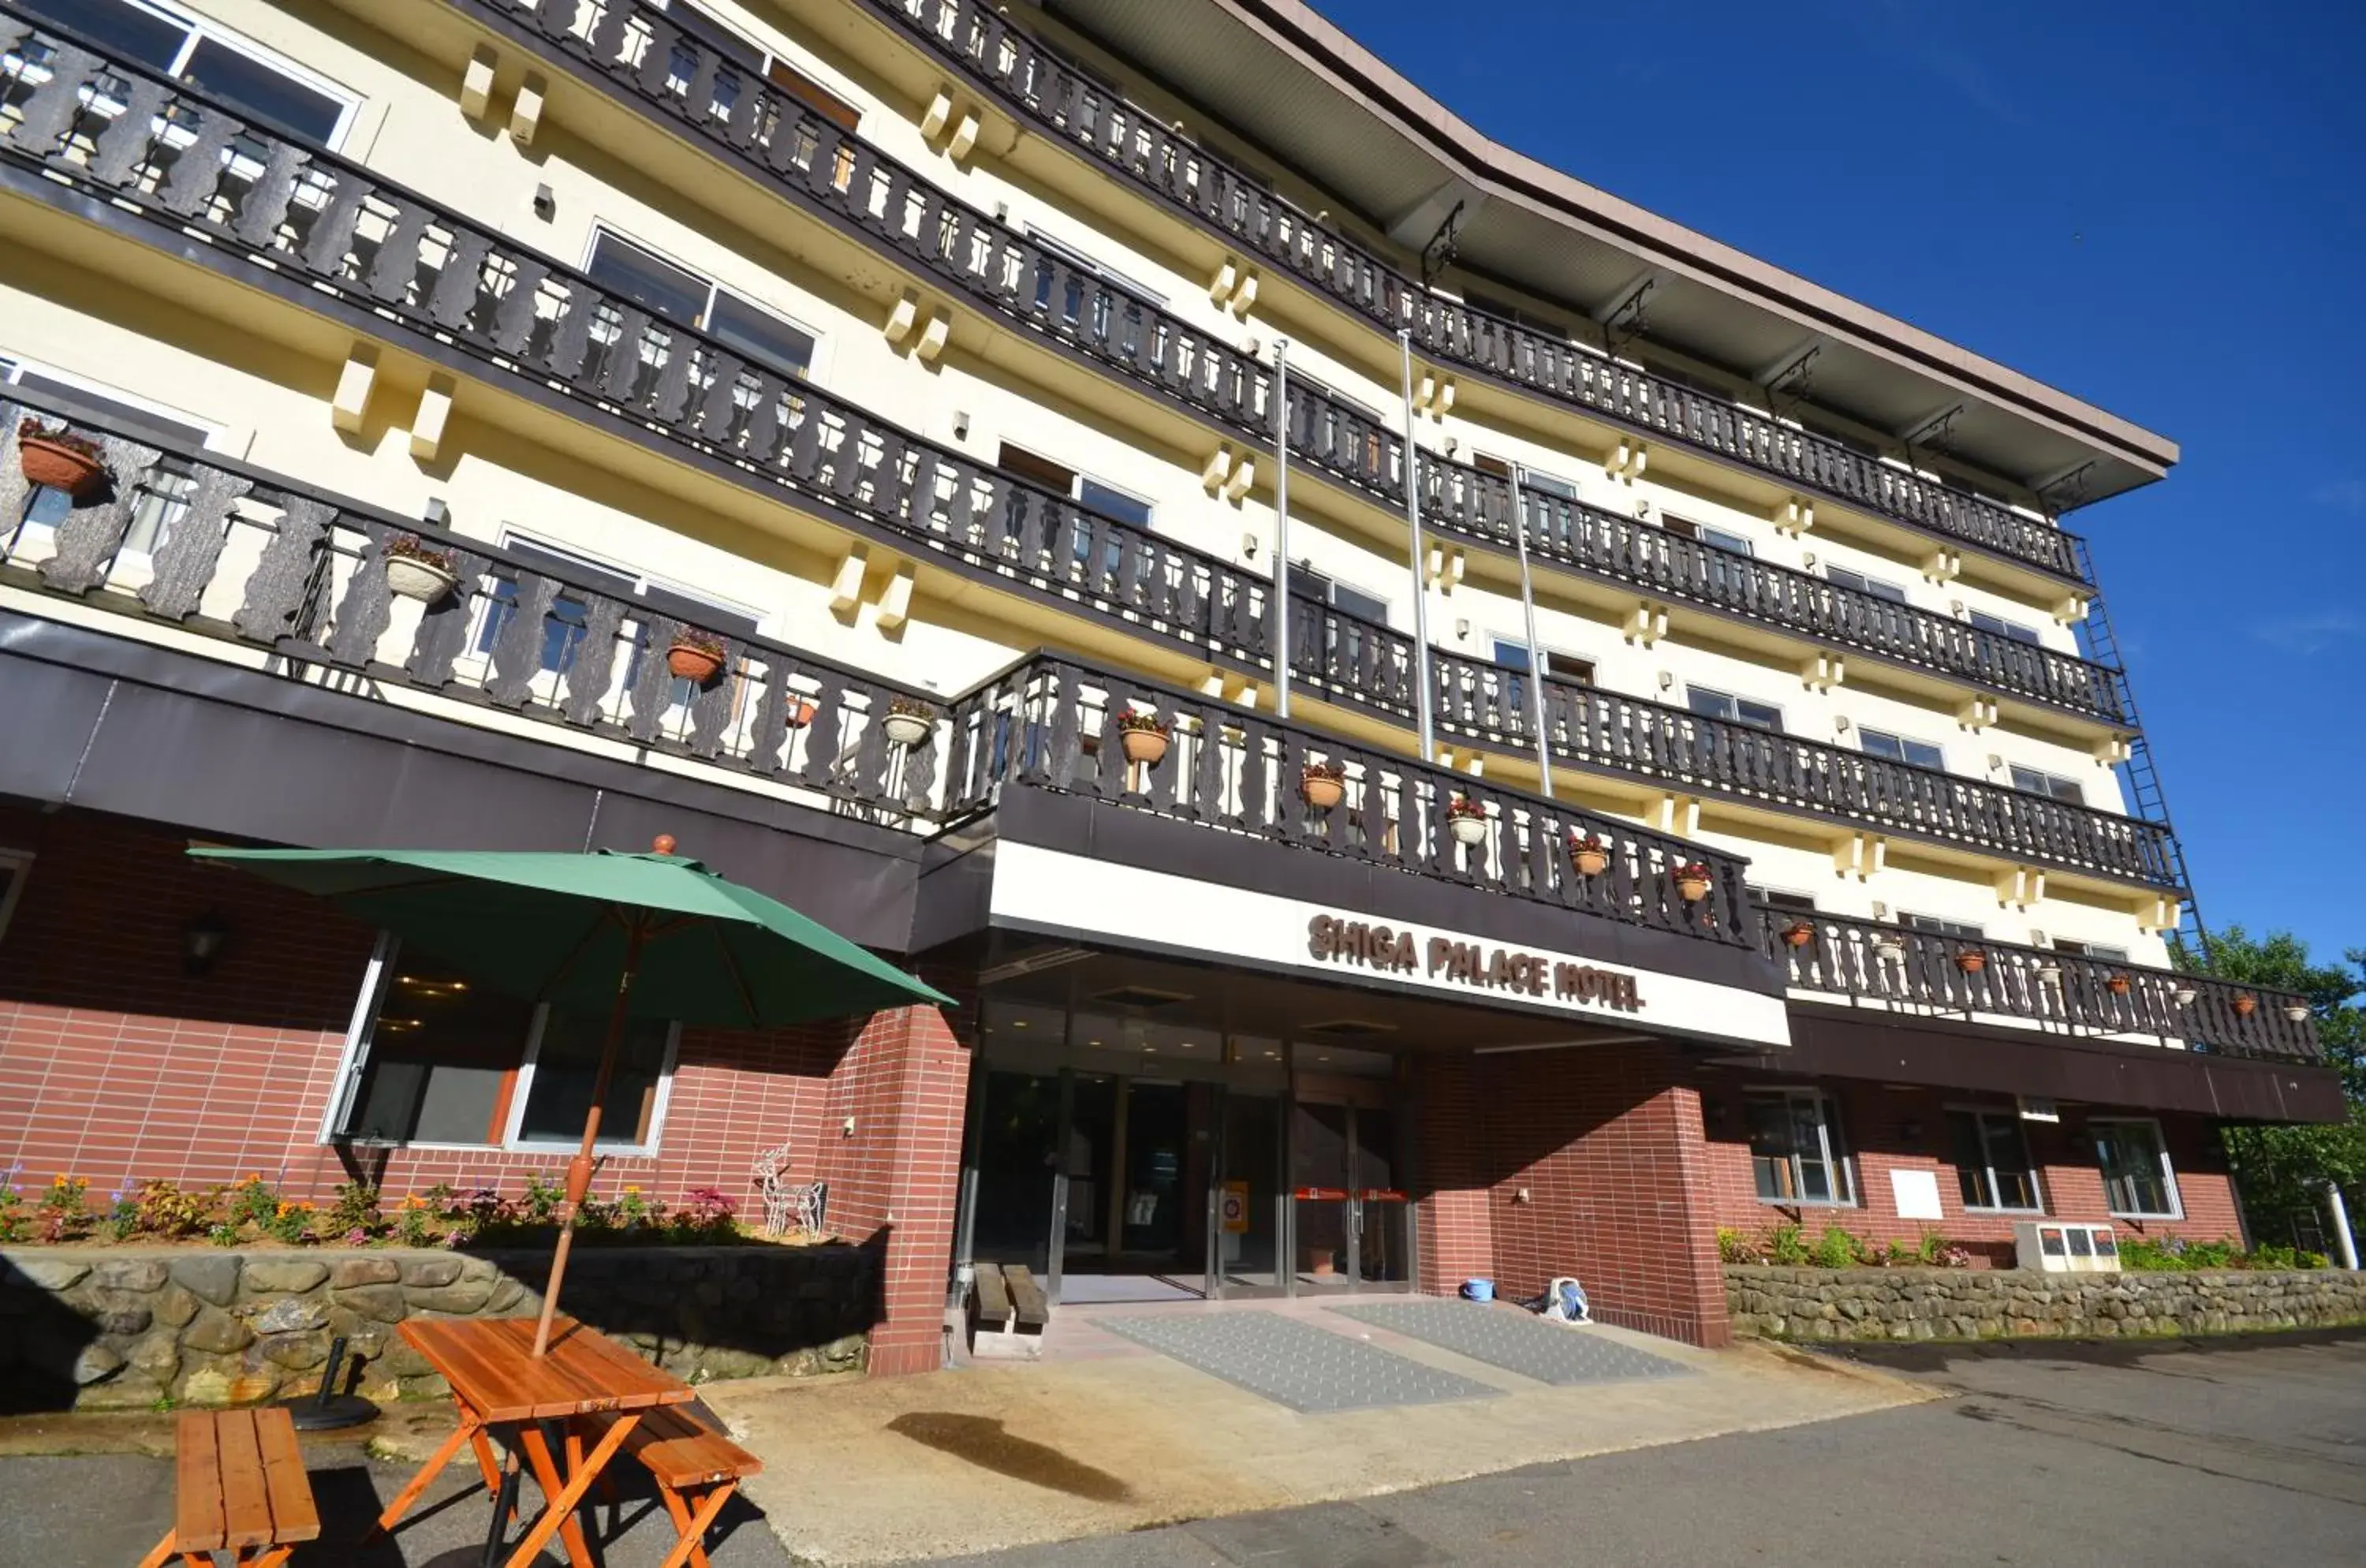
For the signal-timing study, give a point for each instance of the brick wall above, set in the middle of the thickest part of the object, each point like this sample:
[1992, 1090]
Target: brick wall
[117, 1066]
[1893, 1129]
[1605, 1143]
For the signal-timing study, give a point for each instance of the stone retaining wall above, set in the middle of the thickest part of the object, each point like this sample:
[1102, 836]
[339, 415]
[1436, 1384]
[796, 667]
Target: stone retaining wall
[118, 1329]
[1994, 1304]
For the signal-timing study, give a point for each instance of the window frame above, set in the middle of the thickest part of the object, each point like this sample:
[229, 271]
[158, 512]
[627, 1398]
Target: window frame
[361, 1030]
[199, 29]
[19, 864]
[2176, 1209]
[1837, 1157]
[1982, 1115]
[810, 375]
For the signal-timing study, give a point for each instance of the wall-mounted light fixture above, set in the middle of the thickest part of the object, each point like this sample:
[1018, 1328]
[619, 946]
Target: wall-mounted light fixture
[203, 937]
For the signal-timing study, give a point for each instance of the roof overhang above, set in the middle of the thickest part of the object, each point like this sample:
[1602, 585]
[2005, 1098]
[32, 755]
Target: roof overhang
[1297, 87]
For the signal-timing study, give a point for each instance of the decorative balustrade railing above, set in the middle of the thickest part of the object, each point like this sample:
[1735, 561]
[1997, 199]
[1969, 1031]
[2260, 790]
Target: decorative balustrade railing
[1051, 724]
[663, 61]
[216, 547]
[2096, 996]
[1360, 663]
[1465, 500]
[1044, 91]
[199, 172]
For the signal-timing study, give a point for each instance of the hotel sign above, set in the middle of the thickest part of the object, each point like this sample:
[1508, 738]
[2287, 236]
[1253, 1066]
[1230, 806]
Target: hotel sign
[1393, 950]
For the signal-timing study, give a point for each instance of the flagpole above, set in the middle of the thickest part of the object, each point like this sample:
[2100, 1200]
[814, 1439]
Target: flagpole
[1281, 528]
[1528, 615]
[1420, 559]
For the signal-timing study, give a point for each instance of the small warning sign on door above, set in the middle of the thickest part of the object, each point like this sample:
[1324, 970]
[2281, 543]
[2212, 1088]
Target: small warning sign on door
[1234, 1207]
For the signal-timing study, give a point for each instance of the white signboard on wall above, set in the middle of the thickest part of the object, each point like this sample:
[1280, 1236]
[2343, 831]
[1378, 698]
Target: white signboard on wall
[1052, 891]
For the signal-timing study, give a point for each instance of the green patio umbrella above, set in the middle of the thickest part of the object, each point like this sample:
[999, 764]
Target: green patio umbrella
[650, 935]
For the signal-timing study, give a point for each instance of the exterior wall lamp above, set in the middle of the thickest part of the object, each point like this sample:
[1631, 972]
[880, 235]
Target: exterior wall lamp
[203, 938]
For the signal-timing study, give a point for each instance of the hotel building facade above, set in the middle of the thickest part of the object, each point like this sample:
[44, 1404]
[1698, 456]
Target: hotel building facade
[849, 435]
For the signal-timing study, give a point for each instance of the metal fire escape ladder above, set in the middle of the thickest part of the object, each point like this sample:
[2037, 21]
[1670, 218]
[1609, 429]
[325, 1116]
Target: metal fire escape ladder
[2139, 774]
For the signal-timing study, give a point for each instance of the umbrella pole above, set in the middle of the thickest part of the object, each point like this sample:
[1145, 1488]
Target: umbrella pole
[578, 1170]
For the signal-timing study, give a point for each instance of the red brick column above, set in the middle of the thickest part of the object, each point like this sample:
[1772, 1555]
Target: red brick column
[895, 1178]
[1601, 1170]
[1451, 1198]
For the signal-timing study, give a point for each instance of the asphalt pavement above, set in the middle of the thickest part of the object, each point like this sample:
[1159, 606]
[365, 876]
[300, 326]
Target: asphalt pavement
[2239, 1453]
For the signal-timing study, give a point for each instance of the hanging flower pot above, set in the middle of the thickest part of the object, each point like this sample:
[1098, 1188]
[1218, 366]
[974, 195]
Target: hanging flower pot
[1971, 962]
[1798, 933]
[908, 721]
[59, 458]
[2245, 1005]
[2296, 1011]
[1466, 819]
[1323, 784]
[1142, 737]
[2117, 985]
[417, 570]
[1692, 881]
[1591, 856]
[696, 657]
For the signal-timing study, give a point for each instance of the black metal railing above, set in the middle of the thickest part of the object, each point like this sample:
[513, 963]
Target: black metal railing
[332, 589]
[197, 172]
[2102, 998]
[1044, 92]
[1361, 664]
[689, 386]
[1472, 504]
[1051, 724]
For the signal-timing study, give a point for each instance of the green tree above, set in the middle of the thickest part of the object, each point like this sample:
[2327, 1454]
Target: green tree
[2274, 1166]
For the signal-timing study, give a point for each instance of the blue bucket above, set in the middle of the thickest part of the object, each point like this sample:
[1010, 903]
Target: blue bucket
[1479, 1290]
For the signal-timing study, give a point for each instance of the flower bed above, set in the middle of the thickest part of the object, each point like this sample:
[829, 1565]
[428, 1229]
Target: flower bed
[251, 1212]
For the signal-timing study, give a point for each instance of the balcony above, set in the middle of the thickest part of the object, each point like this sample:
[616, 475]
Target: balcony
[1042, 91]
[1197, 601]
[1360, 664]
[1051, 724]
[314, 588]
[1920, 973]
[181, 171]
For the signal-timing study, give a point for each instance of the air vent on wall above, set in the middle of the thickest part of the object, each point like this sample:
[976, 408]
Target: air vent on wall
[1140, 996]
[1349, 1028]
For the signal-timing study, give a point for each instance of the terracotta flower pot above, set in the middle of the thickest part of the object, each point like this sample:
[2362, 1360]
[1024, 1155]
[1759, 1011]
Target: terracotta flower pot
[412, 578]
[2245, 1006]
[1971, 962]
[1321, 791]
[1693, 890]
[53, 463]
[1143, 745]
[1468, 831]
[692, 663]
[907, 729]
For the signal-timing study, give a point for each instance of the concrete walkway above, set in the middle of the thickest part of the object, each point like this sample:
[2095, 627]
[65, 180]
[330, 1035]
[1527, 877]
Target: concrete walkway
[1107, 1436]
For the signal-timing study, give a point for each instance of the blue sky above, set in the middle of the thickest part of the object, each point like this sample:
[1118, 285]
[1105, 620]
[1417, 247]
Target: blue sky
[2157, 207]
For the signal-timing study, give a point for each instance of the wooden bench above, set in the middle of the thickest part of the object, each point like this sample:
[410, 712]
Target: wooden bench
[696, 1471]
[239, 1487]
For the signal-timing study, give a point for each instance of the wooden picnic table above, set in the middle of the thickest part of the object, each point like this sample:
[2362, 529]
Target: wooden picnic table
[543, 1406]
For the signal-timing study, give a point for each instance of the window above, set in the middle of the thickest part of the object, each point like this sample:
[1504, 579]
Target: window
[160, 503]
[677, 294]
[1898, 749]
[2138, 1180]
[1961, 930]
[436, 1059]
[1992, 1160]
[1794, 1148]
[15, 867]
[1715, 538]
[1733, 709]
[1996, 626]
[2031, 781]
[1841, 576]
[271, 91]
